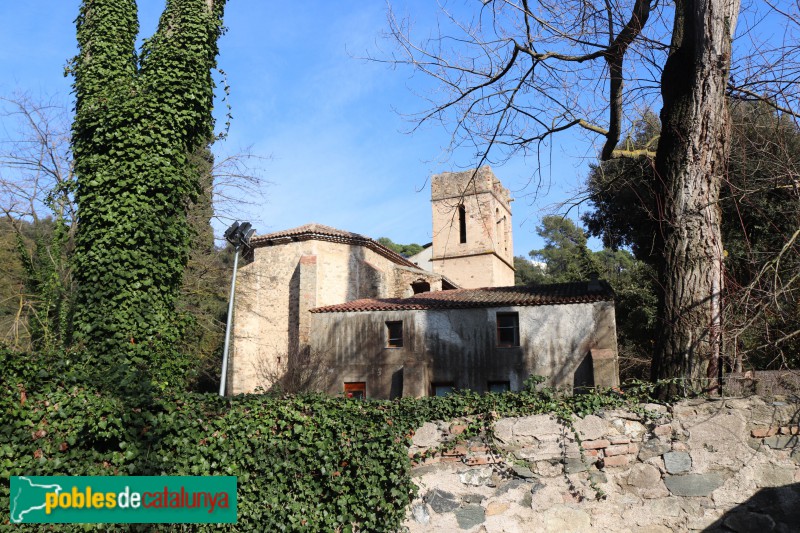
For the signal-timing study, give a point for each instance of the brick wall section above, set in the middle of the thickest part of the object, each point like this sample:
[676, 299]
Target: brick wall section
[722, 465]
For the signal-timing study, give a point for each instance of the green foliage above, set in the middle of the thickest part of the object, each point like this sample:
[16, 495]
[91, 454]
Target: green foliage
[406, 250]
[565, 252]
[138, 118]
[36, 290]
[526, 273]
[307, 463]
[760, 205]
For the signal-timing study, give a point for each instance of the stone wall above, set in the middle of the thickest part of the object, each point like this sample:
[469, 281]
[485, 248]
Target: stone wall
[459, 347]
[724, 465]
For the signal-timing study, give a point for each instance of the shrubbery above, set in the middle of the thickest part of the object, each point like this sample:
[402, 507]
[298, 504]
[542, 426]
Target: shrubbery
[309, 462]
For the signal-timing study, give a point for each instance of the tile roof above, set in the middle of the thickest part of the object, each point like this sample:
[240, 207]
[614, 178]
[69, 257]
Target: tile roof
[305, 229]
[559, 293]
[327, 233]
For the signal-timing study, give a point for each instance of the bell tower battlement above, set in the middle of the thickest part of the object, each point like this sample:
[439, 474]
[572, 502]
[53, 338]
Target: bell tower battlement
[472, 237]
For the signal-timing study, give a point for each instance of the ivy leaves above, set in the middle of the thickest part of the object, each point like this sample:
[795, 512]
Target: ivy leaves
[137, 119]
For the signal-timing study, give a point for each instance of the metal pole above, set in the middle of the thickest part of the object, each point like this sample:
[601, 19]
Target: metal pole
[224, 377]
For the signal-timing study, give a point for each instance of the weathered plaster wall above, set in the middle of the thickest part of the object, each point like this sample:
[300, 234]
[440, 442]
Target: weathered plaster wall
[275, 291]
[487, 258]
[459, 346]
[724, 465]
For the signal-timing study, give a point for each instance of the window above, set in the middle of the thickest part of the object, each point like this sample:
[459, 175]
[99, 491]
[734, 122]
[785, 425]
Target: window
[507, 329]
[421, 286]
[356, 390]
[442, 389]
[499, 386]
[394, 334]
[462, 223]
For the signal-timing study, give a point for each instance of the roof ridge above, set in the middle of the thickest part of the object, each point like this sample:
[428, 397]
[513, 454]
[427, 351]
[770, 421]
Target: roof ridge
[313, 229]
[515, 295]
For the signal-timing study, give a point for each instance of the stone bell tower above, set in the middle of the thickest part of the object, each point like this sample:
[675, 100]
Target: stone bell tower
[472, 242]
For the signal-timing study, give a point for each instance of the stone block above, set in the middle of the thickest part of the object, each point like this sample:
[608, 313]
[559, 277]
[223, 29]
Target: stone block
[761, 432]
[664, 430]
[591, 427]
[426, 436]
[548, 468]
[441, 501]
[503, 430]
[618, 449]
[420, 514]
[476, 477]
[536, 426]
[472, 498]
[509, 486]
[779, 442]
[677, 462]
[693, 484]
[633, 429]
[678, 446]
[470, 516]
[522, 471]
[719, 441]
[495, 508]
[645, 481]
[617, 460]
[595, 444]
[653, 448]
[620, 440]
[573, 465]
[745, 522]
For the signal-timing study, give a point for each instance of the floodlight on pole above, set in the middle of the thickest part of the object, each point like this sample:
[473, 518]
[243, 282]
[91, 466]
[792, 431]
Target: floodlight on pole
[239, 236]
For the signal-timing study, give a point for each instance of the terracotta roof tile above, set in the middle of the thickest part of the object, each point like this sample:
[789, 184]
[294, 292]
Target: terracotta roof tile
[560, 293]
[306, 229]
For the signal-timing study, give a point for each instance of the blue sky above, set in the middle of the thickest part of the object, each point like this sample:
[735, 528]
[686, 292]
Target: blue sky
[338, 150]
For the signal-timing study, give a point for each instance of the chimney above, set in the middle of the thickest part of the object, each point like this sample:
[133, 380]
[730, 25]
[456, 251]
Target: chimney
[594, 283]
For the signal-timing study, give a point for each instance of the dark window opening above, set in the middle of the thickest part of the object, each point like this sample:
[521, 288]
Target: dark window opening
[507, 329]
[462, 223]
[394, 333]
[442, 389]
[421, 286]
[356, 390]
[499, 386]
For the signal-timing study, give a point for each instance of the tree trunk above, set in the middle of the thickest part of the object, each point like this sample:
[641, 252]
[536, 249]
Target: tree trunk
[690, 164]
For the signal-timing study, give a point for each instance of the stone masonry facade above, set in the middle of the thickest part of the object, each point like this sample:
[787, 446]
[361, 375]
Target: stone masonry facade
[477, 251]
[295, 271]
[726, 465]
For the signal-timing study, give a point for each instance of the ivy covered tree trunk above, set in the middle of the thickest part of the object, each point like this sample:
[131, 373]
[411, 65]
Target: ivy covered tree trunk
[137, 120]
[690, 167]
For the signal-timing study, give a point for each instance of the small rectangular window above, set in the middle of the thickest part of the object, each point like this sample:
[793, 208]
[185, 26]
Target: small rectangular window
[356, 390]
[507, 329]
[462, 223]
[442, 389]
[499, 386]
[394, 334]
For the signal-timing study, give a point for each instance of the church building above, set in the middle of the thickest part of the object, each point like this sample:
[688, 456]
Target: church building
[322, 308]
